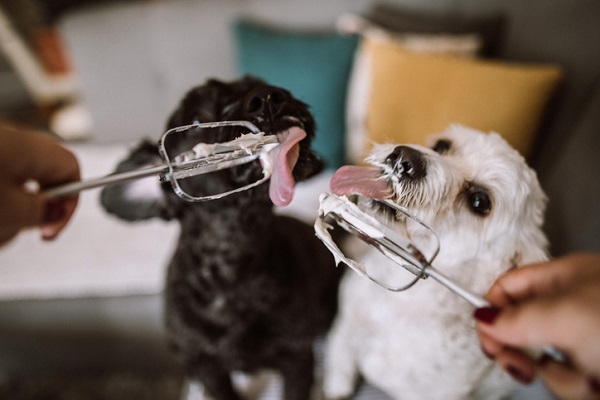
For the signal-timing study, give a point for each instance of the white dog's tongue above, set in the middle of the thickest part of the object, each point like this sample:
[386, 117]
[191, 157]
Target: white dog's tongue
[285, 156]
[367, 181]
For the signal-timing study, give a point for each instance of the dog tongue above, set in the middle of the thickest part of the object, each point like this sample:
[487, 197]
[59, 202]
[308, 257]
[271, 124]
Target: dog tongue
[285, 156]
[367, 181]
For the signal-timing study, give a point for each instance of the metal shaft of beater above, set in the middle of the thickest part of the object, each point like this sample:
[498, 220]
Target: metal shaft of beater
[469, 296]
[479, 302]
[76, 187]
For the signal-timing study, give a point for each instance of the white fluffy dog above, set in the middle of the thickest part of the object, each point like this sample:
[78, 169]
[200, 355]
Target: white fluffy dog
[486, 206]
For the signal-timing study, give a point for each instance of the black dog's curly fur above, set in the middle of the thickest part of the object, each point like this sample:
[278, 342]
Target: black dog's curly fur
[246, 289]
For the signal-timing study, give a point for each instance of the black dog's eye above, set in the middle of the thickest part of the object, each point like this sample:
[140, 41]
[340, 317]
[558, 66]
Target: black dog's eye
[479, 201]
[441, 146]
[201, 117]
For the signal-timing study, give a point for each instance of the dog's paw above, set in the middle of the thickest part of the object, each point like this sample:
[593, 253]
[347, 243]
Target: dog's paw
[193, 390]
[140, 199]
[325, 396]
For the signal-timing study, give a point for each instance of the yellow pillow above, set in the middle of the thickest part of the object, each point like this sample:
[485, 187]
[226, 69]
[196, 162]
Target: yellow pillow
[413, 95]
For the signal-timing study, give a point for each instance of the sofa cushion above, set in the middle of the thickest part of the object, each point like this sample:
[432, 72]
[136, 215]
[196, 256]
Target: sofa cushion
[359, 85]
[488, 26]
[436, 32]
[414, 95]
[313, 65]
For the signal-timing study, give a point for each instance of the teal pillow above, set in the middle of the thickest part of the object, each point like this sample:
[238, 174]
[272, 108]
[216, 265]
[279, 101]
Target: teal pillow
[313, 66]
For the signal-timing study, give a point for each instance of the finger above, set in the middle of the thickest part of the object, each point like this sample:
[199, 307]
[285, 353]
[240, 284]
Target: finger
[517, 364]
[567, 382]
[58, 214]
[6, 234]
[535, 324]
[531, 281]
[30, 209]
[489, 346]
[25, 209]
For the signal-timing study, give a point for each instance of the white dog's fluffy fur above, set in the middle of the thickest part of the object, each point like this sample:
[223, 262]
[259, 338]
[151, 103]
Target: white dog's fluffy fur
[421, 343]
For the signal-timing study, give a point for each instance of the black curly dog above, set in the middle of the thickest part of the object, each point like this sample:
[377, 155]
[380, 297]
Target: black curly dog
[246, 289]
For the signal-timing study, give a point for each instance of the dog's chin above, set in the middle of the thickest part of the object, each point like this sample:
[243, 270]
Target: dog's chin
[290, 121]
[283, 126]
[282, 129]
[379, 209]
[411, 195]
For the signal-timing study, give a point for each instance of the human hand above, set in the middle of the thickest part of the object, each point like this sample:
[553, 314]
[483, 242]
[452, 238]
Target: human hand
[26, 157]
[554, 303]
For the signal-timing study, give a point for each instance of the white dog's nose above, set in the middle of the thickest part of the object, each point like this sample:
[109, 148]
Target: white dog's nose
[407, 162]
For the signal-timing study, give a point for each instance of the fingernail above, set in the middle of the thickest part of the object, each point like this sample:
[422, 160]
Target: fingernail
[593, 384]
[518, 375]
[54, 211]
[487, 315]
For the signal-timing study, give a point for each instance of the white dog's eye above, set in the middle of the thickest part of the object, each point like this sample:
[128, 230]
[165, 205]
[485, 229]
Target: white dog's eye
[479, 201]
[441, 146]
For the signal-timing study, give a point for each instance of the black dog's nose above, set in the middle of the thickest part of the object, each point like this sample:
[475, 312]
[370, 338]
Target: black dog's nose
[407, 162]
[265, 100]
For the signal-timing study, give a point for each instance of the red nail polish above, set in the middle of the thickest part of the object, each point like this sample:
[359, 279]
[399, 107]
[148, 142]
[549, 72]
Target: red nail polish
[518, 375]
[486, 315]
[54, 211]
[593, 384]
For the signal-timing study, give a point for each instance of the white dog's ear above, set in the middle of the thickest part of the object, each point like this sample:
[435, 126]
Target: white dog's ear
[532, 244]
[533, 247]
[141, 199]
[531, 253]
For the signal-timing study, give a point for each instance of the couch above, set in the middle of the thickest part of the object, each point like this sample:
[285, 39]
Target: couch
[99, 307]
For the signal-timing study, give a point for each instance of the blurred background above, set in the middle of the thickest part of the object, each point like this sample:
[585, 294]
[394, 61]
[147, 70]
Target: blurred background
[37, 76]
[82, 317]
